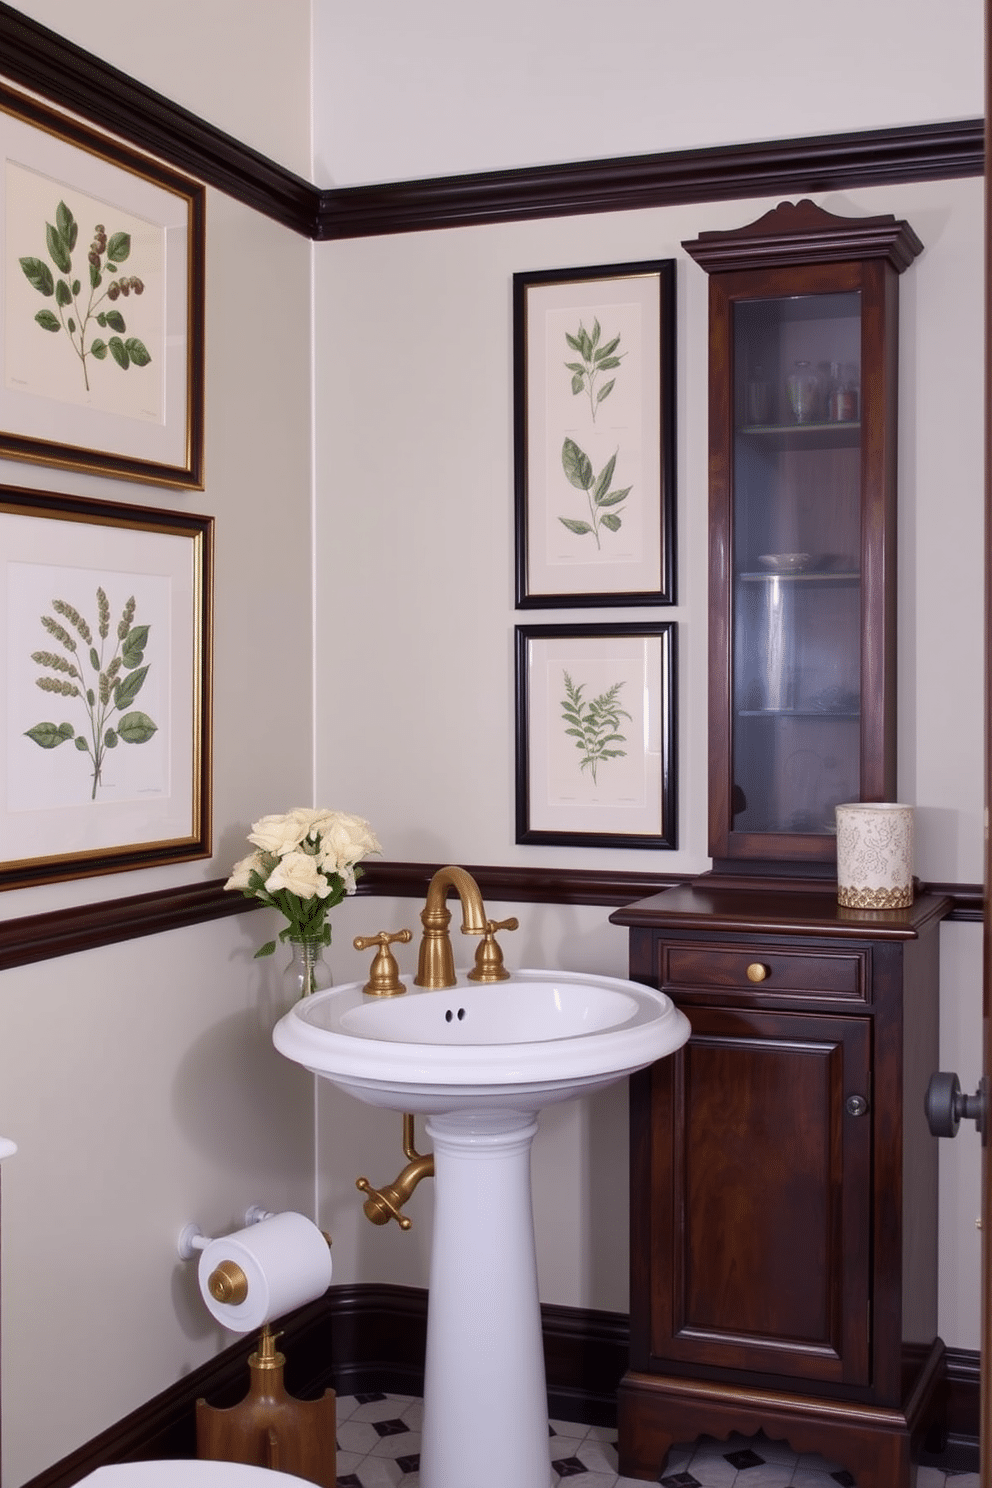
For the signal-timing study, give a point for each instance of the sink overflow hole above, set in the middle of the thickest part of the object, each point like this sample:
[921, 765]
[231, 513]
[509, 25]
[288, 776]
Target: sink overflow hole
[450, 1016]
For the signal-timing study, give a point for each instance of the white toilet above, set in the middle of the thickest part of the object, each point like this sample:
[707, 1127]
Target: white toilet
[190, 1474]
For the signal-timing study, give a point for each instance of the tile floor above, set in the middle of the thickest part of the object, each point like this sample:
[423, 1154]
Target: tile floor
[379, 1443]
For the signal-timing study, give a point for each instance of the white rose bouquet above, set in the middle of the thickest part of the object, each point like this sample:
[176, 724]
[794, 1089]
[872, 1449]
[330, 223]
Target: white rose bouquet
[303, 865]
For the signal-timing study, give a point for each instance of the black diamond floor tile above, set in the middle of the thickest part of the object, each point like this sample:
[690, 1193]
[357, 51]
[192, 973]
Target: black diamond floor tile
[569, 1467]
[395, 1427]
[843, 1477]
[405, 1464]
[675, 1480]
[743, 1458]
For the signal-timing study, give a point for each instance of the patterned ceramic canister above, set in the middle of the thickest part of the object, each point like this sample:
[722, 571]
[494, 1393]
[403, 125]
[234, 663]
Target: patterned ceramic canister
[875, 855]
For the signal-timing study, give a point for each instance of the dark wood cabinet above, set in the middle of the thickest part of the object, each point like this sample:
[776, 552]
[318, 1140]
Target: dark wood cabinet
[803, 345]
[784, 1180]
[783, 1176]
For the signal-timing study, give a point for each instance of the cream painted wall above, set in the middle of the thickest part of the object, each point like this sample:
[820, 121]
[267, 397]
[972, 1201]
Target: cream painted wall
[443, 87]
[139, 1081]
[414, 469]
[162, 1101]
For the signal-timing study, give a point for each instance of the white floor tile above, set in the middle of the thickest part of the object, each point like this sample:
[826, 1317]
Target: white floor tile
[812, 1477]
[357, 1436]
[588, 1455]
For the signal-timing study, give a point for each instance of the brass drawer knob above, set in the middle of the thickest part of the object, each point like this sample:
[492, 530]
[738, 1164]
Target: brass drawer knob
[756, 972]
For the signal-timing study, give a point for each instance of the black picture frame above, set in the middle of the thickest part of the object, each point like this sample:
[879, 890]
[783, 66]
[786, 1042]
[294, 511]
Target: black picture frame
[595, 506]
[596, 745]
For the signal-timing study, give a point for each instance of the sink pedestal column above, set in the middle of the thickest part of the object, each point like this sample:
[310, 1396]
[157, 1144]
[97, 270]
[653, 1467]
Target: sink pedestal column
[485, 1395]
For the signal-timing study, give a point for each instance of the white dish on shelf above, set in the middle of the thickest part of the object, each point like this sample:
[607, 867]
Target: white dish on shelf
[785, 562]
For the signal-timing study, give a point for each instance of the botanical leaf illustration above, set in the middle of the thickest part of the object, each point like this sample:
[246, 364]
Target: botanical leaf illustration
[603, 501]
[102, 691]
[596, 359]
[103, 258]
[594, 725]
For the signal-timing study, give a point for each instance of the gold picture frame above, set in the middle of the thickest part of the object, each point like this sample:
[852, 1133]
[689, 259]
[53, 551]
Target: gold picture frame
[105, 672]
[101, 303]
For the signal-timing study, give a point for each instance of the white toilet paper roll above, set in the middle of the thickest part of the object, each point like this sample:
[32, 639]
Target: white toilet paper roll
[286, 1262]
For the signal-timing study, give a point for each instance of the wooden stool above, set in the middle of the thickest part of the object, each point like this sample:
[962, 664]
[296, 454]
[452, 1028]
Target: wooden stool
[270, 1428]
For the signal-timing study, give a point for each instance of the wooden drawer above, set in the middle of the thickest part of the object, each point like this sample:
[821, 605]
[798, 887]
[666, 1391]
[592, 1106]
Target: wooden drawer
[823, 974]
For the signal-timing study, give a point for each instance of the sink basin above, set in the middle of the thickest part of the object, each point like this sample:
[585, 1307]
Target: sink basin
[481, 1060]
[539, 1038]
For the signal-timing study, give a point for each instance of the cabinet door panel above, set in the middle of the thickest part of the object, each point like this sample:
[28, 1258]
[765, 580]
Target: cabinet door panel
[766, 1248]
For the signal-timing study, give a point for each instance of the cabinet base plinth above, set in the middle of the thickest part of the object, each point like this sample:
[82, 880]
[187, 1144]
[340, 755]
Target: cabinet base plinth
[879, 1446]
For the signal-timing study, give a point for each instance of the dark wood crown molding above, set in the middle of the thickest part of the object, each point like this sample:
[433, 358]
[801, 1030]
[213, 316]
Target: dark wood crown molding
[36, 57]
[724, 173]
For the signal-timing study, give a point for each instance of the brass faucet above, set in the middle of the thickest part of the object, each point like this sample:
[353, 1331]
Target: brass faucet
[436, 964]
[384, 1204]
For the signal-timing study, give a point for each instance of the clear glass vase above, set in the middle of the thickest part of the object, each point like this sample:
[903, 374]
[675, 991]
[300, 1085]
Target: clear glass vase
[307, 971]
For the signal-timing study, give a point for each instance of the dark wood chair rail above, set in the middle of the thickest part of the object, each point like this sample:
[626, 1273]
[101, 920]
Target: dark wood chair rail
[62, 932]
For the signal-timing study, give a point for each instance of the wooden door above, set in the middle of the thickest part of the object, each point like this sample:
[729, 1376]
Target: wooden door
[760, 1216]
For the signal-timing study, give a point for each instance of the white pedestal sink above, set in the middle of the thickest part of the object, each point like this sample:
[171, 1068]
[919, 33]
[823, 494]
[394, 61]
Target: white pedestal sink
[481, 1061]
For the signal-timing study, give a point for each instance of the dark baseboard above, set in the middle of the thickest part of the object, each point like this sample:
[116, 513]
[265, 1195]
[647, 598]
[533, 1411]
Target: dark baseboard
[365, 1338]
[960, 1410]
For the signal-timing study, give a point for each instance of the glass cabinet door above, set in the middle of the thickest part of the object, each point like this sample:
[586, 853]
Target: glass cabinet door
[796, 562]
[802, 490]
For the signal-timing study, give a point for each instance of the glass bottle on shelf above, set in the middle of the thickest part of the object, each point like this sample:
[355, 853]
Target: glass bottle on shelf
[803, 388]
[758, 408]
[847, 402]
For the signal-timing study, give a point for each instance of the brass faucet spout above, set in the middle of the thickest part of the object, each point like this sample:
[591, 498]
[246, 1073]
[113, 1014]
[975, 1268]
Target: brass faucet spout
[436, 965]
[384, 1204]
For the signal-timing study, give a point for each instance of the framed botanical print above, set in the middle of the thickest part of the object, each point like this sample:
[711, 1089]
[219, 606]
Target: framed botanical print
[594, 435]
[595, 735]
[101, 303]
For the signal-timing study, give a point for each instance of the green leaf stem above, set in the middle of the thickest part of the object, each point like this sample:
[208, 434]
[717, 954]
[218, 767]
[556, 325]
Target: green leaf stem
[112, 693]
[76, 313]
[596, 359]
[579, 472]
[594, 725]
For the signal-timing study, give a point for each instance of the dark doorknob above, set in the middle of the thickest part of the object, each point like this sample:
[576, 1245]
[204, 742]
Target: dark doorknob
[946, 1106]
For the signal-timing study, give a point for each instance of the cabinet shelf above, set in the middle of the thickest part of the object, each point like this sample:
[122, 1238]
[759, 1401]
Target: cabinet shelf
[799, 436]
[803, 576]
[815, 714]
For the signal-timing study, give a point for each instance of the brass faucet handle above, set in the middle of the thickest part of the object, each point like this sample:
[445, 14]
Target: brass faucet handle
[384, 978]
[379, 1206]
[489, 956]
